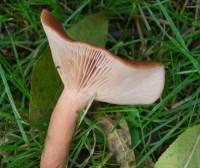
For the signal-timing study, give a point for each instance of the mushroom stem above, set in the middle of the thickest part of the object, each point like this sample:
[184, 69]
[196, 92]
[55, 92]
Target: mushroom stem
[61, 129]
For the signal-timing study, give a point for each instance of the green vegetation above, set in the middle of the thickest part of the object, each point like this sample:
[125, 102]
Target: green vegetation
[163, 31]
[186, 146]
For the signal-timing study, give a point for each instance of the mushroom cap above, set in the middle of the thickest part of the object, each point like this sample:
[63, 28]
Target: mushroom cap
[93, 70]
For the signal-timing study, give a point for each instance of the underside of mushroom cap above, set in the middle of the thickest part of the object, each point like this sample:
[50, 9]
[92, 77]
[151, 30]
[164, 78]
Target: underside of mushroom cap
[95, 71]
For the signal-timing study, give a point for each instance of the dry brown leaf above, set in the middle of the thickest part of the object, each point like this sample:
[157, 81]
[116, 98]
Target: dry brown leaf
[119, 142]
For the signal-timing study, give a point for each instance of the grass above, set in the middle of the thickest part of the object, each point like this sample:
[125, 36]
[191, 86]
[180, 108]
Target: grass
[164, 31]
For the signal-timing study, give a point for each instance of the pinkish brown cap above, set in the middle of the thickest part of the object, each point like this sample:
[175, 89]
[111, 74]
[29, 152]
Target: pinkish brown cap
[95, 71]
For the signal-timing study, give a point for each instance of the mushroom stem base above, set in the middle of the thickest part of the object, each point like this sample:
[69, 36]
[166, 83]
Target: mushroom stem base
[61, 129]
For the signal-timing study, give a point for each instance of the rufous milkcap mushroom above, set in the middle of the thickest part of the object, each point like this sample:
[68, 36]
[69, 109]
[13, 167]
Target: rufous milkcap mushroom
[86, 71]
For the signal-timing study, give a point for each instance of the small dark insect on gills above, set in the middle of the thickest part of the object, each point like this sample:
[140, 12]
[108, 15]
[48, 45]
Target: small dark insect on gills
[57, 66]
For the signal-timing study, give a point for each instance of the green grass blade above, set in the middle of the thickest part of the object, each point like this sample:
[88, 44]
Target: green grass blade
[15, 111]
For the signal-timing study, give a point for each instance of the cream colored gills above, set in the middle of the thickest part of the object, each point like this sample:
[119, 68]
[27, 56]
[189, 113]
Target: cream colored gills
[87, 70]
[93, 70]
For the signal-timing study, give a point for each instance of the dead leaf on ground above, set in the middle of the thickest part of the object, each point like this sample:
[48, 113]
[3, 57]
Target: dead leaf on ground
[119, 142]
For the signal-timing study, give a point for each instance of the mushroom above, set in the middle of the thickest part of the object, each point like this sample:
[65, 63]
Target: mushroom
[86, 71]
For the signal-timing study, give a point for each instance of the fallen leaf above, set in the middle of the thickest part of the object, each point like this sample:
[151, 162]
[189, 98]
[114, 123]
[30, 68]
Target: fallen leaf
[46, 87]
[118, 141]
[184, 152]
[92, 29]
